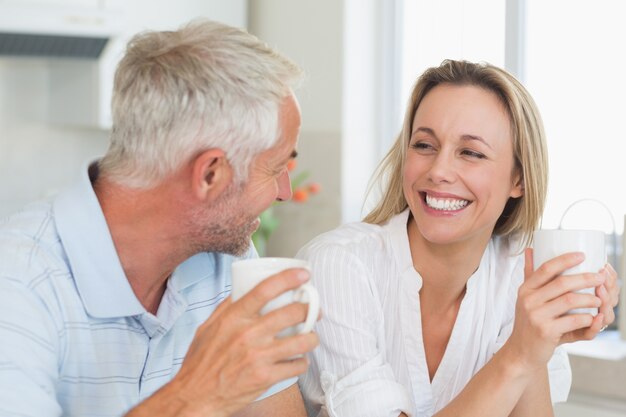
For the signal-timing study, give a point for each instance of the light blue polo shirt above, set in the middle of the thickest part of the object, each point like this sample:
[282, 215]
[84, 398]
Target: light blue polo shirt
[74, 339]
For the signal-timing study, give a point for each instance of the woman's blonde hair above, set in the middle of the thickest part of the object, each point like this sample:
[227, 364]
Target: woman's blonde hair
[520, 215]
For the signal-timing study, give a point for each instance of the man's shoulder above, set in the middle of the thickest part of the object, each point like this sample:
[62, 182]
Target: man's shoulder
[30, 245]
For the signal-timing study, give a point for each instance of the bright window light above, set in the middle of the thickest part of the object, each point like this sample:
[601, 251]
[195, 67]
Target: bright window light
[575, 60]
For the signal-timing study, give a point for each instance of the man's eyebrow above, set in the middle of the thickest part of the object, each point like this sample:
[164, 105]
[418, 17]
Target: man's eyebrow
[474, 137]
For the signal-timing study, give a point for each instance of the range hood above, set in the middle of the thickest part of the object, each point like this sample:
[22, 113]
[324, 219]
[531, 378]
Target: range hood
[40, 30]
[81, 46]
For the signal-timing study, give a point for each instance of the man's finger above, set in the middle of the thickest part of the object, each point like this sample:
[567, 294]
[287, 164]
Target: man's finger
[293, 346]
[281, 318]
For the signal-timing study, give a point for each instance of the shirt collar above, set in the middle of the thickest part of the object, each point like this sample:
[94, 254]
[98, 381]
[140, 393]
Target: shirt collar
[206, 265]
[400, 241]
[95, 265]
[404, 260]
[193, 270]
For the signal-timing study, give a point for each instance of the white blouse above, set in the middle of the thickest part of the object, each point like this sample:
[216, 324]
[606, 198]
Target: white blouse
[371, 359]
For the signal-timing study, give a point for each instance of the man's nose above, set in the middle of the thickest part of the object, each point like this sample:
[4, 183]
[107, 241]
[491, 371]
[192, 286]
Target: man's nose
[284, 187]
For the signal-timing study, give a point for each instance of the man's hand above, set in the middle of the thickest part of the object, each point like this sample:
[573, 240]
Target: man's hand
[235, 355]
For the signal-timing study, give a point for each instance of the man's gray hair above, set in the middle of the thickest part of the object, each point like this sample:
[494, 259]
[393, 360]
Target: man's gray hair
[178, 93]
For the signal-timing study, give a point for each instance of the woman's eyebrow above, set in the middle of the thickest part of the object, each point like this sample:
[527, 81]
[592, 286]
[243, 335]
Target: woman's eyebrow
[427, 130]
[467, 137]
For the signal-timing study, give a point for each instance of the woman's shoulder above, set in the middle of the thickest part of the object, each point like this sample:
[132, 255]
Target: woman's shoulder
[351, 237]
[507, 264]
[355, 237]
[508, 250]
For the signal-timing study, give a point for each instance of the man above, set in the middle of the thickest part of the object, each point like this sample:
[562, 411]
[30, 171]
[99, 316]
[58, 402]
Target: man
[109, 294]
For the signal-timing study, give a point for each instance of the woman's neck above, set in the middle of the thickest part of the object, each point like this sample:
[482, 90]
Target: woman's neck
[445, 269]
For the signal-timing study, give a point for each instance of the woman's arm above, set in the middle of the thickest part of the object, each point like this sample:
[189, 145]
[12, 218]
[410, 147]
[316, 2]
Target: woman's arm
[349, 374]
[517, 373]
[535, 400]
[287, 403]
[494, 391]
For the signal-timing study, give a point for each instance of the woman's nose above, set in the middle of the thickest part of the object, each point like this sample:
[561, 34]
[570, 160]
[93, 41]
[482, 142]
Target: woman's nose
[443, 169]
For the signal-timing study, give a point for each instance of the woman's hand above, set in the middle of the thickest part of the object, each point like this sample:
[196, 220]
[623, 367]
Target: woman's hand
[609, 294]
[541, 322]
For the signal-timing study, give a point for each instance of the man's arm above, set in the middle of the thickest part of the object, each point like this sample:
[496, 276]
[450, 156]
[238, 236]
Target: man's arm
[235, 356]
[29, 349]
[287, 403]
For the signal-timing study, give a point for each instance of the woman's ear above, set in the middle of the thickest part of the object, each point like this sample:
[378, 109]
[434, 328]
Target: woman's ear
[211, 174]
[518, 186]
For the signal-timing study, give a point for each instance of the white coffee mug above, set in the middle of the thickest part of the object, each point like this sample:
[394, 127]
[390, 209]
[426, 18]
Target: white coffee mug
[248, 273]
[549, 244]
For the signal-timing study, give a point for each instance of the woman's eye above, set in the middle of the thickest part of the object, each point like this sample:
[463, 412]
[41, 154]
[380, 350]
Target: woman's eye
[421, 145]
[473, 154]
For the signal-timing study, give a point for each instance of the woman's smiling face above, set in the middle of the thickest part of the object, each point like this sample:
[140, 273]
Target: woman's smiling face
[459, 168]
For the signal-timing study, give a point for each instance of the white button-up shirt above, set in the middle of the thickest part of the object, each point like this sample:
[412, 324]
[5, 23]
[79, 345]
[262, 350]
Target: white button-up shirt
[371, 361]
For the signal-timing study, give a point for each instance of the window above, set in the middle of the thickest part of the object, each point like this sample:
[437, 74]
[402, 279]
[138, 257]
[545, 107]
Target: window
[574, 68]
[571, 57]
[449, 29]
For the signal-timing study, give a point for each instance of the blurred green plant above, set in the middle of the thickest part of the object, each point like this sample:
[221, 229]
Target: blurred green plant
[302, 190]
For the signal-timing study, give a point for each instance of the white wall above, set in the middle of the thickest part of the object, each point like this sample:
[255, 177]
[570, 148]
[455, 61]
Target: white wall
[38, 158]
[311, 34]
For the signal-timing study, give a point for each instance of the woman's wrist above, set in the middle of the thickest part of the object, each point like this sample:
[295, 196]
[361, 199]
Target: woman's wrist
[513, 364]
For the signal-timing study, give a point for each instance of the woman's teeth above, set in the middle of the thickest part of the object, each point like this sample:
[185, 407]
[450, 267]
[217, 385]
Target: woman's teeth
[445, 204]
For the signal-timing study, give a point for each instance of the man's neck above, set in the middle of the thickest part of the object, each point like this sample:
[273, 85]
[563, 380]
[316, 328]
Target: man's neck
[146, 240]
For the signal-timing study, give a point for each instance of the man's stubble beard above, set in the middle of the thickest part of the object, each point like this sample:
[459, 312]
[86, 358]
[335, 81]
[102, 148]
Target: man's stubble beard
[223, 227]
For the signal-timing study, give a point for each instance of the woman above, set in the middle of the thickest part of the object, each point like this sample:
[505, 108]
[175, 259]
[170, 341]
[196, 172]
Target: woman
[430, 306]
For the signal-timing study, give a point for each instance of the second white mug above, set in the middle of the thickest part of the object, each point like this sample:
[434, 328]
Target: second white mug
[549, 244]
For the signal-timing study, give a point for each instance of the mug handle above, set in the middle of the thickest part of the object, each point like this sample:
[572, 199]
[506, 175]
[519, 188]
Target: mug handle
[307, 293]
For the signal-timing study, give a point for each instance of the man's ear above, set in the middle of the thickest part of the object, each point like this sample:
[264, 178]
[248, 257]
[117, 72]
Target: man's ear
[211, 174]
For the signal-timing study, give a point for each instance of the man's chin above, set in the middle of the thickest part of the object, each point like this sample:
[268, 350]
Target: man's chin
[241, 248]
